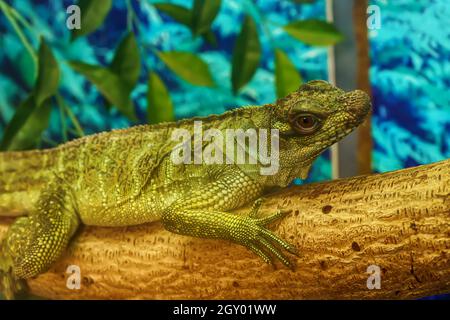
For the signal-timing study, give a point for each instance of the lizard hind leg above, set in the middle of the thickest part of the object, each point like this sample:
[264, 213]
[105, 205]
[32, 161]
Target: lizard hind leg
[34, 243]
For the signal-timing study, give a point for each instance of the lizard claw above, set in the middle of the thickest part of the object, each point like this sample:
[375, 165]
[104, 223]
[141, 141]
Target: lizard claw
[255, 207]
[281, 213]
[254, 235]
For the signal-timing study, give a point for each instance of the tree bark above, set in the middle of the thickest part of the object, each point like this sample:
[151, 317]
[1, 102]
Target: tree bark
[398, 221]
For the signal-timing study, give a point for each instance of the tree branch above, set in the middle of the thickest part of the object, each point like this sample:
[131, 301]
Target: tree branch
[399, 221]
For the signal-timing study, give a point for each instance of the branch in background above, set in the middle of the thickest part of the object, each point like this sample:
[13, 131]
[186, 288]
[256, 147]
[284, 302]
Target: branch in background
[398, 221]
[363, 82]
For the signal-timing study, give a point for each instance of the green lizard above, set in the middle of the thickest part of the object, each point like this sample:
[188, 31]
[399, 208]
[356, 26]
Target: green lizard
[127, 177]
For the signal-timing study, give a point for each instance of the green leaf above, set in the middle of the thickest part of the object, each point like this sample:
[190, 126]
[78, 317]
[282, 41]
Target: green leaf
[287, 78]
[127, 62]
[203, 14]
[25, 66]
[184, 16]
[31, 130]
[32, 116]
[20, 117]
[188, 66]
[26, 127]
[246, 55]
[314, 32]
[178, 13]
[110, 85]
[93, 13]
[159, 104]
[210, 37]
[48, 75]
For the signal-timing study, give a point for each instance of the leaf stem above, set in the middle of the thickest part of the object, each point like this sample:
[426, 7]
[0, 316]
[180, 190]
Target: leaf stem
[62, 116]
[69, 112]
[264, 23]
[20, 18]
[49, 141]
[130, 16]
[7, 10]
[133, 18]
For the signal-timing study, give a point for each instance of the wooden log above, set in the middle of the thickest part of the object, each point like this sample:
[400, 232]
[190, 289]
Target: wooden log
[398, 221]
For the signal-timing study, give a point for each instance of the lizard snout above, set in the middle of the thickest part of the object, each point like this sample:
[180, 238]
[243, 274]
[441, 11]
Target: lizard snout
[357, 103]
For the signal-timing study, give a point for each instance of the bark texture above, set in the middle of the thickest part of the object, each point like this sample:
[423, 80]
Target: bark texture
[399, 221]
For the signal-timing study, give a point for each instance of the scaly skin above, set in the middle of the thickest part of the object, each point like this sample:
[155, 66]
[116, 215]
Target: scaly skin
[127, 177]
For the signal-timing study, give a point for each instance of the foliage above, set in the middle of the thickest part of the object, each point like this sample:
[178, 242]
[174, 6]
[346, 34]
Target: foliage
[286, 76]
[32, 116]
[117, 78]
[126, 62]
[188, 66]
[159, 105]
[204, 13]
[246, 55]
[198, 20]
[314, 32]
[111, 86]
[94, 13]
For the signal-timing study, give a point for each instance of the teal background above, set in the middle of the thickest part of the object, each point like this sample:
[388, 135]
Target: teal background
[158, 31]
[410, 71]
[410, 78]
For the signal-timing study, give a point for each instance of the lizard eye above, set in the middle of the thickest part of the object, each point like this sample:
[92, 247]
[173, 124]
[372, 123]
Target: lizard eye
[304, 123]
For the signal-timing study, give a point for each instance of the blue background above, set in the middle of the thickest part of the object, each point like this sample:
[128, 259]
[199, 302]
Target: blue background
[157, 30]
[410, 71]
[410, 77]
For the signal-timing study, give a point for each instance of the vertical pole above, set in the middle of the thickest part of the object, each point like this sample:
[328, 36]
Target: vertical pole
[332, 80]
[365, 143]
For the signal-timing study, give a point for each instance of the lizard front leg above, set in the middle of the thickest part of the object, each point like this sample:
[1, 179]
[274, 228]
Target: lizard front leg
[33, 243]
[203, 214]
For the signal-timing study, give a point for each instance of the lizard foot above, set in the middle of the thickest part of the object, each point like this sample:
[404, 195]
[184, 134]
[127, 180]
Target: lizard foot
[255, 208]
[253, 234]
[10, 285]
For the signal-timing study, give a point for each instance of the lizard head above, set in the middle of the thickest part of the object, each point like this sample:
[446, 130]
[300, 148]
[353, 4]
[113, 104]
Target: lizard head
[310, 120]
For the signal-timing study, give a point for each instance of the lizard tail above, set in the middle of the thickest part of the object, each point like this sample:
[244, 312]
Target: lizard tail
[22, 175]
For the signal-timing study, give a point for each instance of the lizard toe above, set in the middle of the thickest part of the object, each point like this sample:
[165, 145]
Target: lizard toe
[264, 243]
